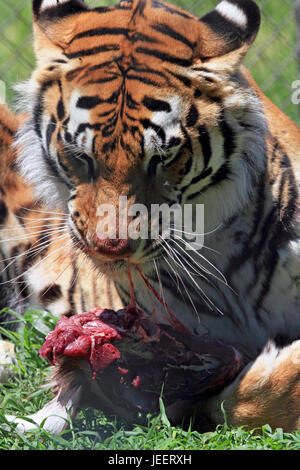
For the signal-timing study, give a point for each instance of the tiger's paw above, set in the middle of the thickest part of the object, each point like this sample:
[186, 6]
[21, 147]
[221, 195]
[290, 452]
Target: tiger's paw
[54, 417]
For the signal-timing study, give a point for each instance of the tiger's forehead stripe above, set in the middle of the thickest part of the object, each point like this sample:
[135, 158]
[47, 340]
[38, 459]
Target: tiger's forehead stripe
[125, 92]
[102, 39]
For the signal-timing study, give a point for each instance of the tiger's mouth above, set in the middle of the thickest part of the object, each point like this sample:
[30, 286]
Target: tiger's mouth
[117, 268]
[115, 265]
[117, 252]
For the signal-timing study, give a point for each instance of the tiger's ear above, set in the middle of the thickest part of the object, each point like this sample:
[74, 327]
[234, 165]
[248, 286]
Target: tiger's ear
[227, 32]
[54, 24]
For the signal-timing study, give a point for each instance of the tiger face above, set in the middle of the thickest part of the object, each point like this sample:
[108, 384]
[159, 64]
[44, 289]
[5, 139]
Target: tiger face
[132, 101]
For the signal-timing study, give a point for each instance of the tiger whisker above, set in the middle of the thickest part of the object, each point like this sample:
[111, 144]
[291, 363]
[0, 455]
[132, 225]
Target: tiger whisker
[43, 211]
[36, 265]
[177, 237]
[40, 218]
[30, 250]
[176, 279]
[33, 234]
[64, 270]
[223, 280]
[206, 299]
[196, 271]
[28, 226]
[53, 283]
[181, 280]
[197, 234]
[26, 231]
[36, 250]
[29, 237]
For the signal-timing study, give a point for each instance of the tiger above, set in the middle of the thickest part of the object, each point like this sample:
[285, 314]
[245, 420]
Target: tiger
[145, 100]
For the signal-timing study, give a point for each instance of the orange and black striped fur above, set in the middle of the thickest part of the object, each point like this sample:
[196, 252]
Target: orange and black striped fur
[144, 100]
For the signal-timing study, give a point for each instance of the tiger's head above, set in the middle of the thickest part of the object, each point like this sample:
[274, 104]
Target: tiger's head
[133, 100]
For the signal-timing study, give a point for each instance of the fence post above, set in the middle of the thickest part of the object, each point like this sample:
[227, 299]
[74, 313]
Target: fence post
[297, 16]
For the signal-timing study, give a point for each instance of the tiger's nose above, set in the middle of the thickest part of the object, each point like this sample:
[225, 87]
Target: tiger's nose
[112, 246]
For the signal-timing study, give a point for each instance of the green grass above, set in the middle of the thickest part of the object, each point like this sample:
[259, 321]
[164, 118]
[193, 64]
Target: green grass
[91, 430]
[271, 60]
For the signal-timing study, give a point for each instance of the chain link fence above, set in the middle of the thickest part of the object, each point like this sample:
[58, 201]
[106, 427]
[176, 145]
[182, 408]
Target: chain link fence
[272, 60]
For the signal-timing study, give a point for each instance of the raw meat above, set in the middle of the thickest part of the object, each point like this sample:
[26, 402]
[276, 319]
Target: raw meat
[133, 360]
[89, 336]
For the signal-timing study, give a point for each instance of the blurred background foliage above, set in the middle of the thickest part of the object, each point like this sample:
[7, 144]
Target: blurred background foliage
[272, 60]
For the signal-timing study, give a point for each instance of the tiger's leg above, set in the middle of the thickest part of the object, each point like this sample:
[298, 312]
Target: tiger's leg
[54, 415]
[266, 392]
[10, 297]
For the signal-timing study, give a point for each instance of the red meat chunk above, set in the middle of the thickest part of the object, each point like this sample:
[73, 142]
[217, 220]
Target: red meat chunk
[89, 336]
[134, 359]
